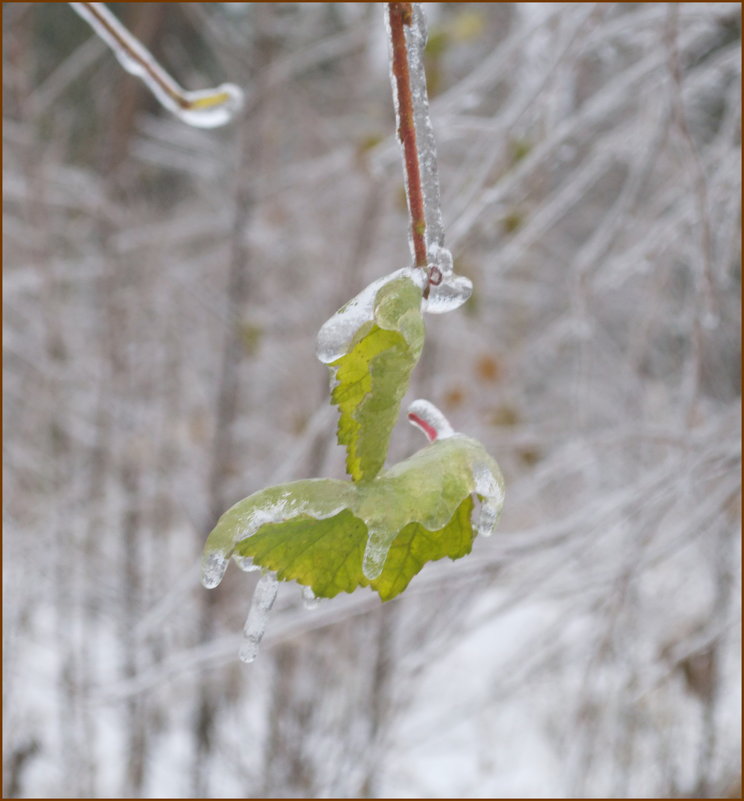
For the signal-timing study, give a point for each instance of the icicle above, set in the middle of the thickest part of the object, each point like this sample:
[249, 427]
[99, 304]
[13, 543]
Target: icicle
[375, 554]
[337, 332]
[490, 488]
[426, 416]
[213, 568]
[206, 108]
[258, 616]
[309, 599]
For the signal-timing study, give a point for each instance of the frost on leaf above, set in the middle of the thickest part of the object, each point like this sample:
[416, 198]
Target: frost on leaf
[377, 533]
[372, 345]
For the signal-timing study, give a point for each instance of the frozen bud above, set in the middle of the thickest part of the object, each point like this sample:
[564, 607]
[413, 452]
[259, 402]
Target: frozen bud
[430, 420]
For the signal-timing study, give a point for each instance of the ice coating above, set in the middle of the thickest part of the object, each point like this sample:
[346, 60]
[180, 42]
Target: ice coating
[489, 485]
[441, 258]
[206, 108]
[245, 563]
[337, 332]
[375, 553]
[450, 291]
[213, 567]
[396, 107]
[425, 415]
[425, 142]
[449, 295]
[258, 616]
[318, 498]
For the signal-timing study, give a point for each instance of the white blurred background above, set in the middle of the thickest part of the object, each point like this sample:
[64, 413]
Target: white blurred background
[162, 288]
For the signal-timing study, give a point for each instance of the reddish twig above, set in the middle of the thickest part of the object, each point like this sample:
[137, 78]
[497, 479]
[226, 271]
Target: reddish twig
[401, 15]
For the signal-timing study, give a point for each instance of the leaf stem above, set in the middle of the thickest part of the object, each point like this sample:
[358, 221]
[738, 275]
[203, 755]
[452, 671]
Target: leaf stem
[401, 15]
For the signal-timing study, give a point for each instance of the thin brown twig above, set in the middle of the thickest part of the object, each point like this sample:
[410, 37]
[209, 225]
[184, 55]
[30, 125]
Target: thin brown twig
[401, 15]
[132, 53]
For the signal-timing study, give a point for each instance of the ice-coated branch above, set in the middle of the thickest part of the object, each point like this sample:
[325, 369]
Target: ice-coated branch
[426, 144]
[399, 17]
[406, 26]
[207, 108]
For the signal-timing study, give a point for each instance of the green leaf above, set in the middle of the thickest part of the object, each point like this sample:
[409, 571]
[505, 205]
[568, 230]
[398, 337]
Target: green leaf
[316, 498]
[334, 536]
[372, 377]
[416, 545]
[326, 555]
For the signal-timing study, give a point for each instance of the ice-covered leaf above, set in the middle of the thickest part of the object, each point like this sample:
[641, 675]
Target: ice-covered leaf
[325, 555]
[316, 498]
[416, 545]
[427, 488]
[336, 334]
[372, 375]
[334, 536]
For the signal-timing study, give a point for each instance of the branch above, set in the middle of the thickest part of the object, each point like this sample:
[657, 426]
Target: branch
[400, 15]
[207, 108]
